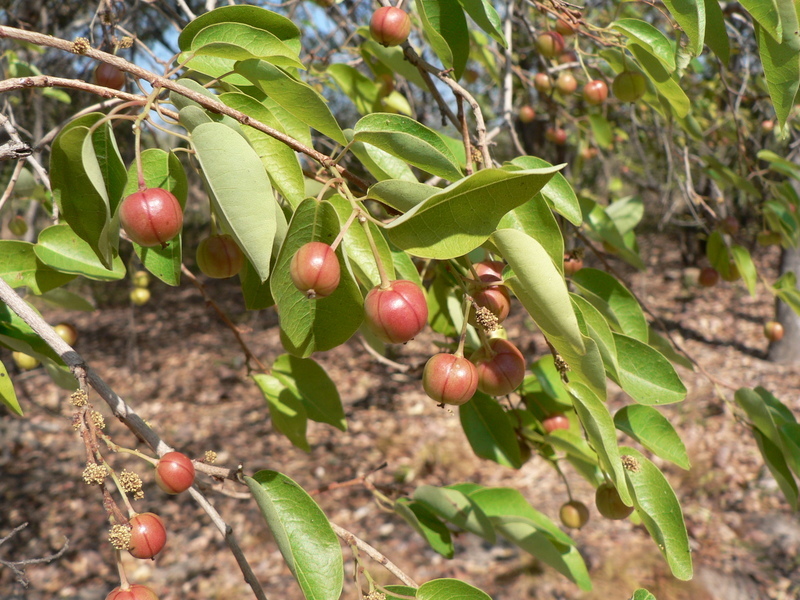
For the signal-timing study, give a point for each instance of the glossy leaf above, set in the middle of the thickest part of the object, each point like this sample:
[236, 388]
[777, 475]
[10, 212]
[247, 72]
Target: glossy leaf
[296, 97]
[767, 15]
[655, 42]
[535, 219]
[775, 460]
[401, 195]
[461, 217]
[279, 26]
[309, 382]
[665, 347]
[458, 508]
[20, 267]
[603, 228]
[410, 141]
[646, 374]
[361, 90]
[490, 431]
[241, 193]
[445, 26]
[558, 192]
[286, 410]
[597, 328]
[486, 17]
[60, 248]
[613, 300]
[716, 32]
[450, 589]
[790, 436]
[427, 525]
[392, 59]
[7, 394]
[309, 326]
[744, 262]
[660, 511]
[691, 16]
[667, 83]
[380, 164]
[781, 65]
[653, 431]
[303, 534]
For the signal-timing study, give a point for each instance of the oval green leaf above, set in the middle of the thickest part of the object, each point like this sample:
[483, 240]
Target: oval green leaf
[490, 431]
[650, 38]
[614, 302]
[309, 381]
[7, 394]
[60, 248]
[450, 589]
[653, 431]
[20, 267]
[457, 508]
[285, 409]
[646, 374]
[427, 525]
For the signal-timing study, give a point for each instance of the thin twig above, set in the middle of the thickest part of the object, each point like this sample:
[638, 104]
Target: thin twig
[374, 554]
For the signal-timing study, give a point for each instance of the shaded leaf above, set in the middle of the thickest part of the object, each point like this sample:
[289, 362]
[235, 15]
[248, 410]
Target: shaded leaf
[7, 394]
[490, 431]
[309, 381]
[285, 409]
[427, 525]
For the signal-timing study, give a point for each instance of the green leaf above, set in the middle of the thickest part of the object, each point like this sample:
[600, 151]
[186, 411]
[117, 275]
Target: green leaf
[558, 192]
[765, 411]
[307, 325]
[7, 394]
[309, 382]
[381, 165]
[626, 213]
[691, 16]
[457, 508]
[641, 593]
[257, 294]
[486, 17]
[666, 83]
[60, 248]
[445, 26]
[303, 534]
[401, 590]
[775, 460]
[747, 269]
[400, 194]
[392, 59]
[781, 65]
[790, 436]
[664, 346]
[767, 15]
[427, 525]
[613, 300]
[650, 38]
[462, 216]
[279, 26]
[450, 589]
[410, 141]
[20, 267]
[661, 513]
[787, 291]
[61, 298]
[597, 328]
[296, 97]
[604, 228]
[653, 431]
[241, 193]
[362, 90]
[716, 32]
[645, 374]
[601, 130]
[535, 219]
[286, 410]
[490, 431]
[602, 434]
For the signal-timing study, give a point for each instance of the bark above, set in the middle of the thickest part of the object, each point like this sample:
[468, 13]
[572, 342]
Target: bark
[787, 350]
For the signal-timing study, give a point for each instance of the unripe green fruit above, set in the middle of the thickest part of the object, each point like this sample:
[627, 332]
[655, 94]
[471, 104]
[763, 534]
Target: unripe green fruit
[148, 535]
[151, 217]
[26, 362]
[398, 313]
[629, 86]
[140, 296]
[773, 331]
[526, 113]
[175, 473]
[542, 83]
[315, 270]
[450, 379]
[390, 26]
[609, 504]
[768, 238]
[566, 83]
[133, 592]
[109, 76]
[550, 44]
[574, 514]
[595, 92]
[18, 226]
[218, 256]
[501, 372]
[141, 279]
[67, 333]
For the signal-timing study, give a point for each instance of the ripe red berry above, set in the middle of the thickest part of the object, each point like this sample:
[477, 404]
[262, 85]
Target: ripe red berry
[502, 371]
[490, 271]
[148, 535]
[555, 421]
[595, 92]
[574, 514]
[315, 270]
[708, 277]
[550, 44]
[398, 313]
[556, 135]
[450, 379]
[151, 217]
[564, 28]
[109, 76]
[609, 504]
[175, 473]
[730, 225]
[526, 113]
[566, 83]
[218, 256]
[542, 83]
[572, 264]
[390, 26]
[495, 297]
[133, 592]
[629, 86]
[773, 331]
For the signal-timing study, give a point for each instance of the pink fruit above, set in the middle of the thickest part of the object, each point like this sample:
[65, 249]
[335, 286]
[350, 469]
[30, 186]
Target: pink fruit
[315, 270]
[450, 379]
[398, 313]
[151, 217]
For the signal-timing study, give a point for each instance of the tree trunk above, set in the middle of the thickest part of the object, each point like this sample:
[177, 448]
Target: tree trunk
[787, 349]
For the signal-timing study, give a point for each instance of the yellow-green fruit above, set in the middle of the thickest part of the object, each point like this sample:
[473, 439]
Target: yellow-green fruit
[140, 296]
[26, 362]
[574, 514]
[609, 504]
[67, 333]
[18, 226]
[141, 279]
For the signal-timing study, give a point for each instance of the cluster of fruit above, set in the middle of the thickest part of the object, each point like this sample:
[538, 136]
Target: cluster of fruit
[26, 362]
[175, 473]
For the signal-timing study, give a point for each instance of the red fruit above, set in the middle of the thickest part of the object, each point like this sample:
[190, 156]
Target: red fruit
[148, 535]
[175, 473]
[450, 379]
[566, 83]
[218, 256]
[555, 421]
[398, 313]
[494, 297]
[134, 592]
[767, 125]
[629, 86]
[567, 57]
[315, 270]
[550, 44]
[151, 217]
[708, 277]
[572, 264]
[501, 372]
[564, 28]
[109, 76]
[595, 92]
[609, 504]
[574, 514]
[556, 135]
[390, 26]
[526, 113]
[730, 225]
[490, 271]
[773, 331]
[542, 83]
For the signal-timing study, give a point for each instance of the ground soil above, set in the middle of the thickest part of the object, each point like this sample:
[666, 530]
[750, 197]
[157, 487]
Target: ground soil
[179, 366]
